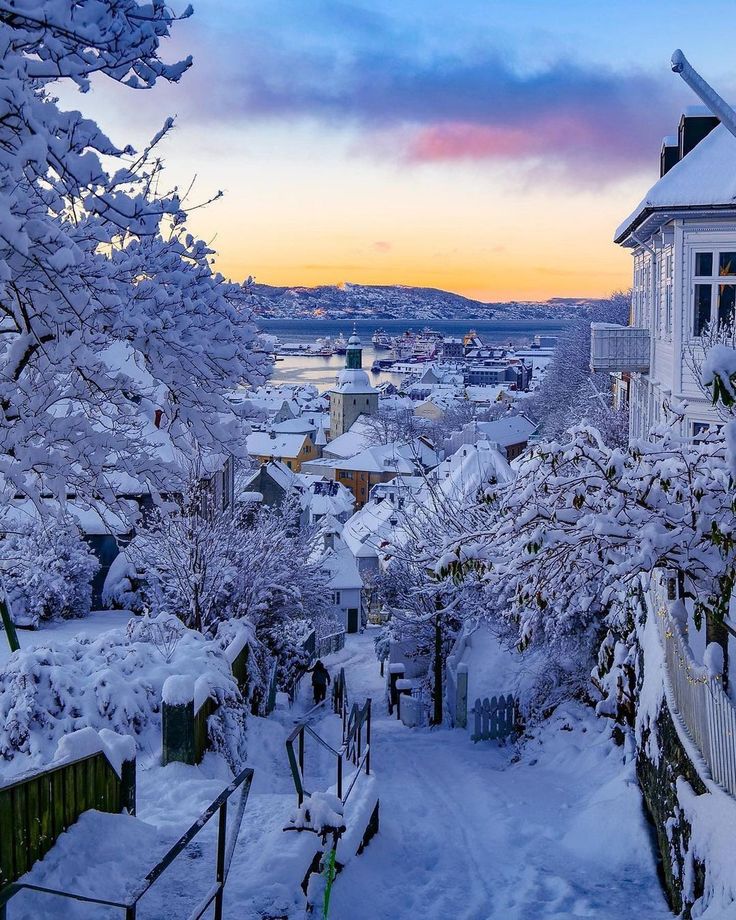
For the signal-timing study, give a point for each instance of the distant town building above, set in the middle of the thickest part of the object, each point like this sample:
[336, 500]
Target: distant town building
[353, 395]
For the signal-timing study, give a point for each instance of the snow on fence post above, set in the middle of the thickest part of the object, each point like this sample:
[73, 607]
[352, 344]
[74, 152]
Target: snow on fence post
[237, 653]
[403, 688]
[461, 696]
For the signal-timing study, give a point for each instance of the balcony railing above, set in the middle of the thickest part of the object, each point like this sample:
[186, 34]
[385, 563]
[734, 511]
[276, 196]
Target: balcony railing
[616, 349]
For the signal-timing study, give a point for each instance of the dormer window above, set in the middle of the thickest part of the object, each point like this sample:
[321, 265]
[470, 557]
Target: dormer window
[714, 298]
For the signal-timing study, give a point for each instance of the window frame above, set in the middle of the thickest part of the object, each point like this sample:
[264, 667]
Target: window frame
[714, 281]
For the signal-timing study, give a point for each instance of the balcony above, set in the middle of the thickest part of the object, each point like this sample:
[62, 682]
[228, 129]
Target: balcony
[616, 349]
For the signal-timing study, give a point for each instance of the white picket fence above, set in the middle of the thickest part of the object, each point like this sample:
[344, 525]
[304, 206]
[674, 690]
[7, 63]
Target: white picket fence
[706, 711]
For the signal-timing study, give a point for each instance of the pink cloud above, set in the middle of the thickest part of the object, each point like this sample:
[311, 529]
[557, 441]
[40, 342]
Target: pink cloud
[382, 246]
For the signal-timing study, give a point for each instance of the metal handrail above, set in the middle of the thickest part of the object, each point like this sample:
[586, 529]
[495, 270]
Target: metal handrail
[352, 748]
[224, 858]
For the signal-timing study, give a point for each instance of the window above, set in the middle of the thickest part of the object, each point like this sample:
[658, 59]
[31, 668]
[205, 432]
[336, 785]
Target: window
[701, 430]
[713, 300]
[336, 598]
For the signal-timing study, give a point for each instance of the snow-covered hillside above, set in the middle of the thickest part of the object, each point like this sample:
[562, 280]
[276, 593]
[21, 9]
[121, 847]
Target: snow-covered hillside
[399, 302]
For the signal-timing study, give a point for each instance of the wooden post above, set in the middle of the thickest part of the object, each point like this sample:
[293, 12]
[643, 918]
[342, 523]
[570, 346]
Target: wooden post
[178, 732]
[128, 786]
[461, 697]
[368, 739]
[395, 672]
[9, 625]
[438, 670]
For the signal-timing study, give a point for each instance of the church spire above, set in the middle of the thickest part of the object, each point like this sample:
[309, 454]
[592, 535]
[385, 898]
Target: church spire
[354, 353]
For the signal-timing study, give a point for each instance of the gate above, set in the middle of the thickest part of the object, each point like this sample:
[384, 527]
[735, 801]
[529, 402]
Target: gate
[495, 719]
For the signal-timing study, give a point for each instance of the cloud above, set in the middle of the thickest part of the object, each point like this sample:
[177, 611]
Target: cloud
[410, 99]
[382, 246]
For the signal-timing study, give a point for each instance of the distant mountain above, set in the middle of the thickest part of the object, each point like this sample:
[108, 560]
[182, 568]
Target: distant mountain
[347, 301]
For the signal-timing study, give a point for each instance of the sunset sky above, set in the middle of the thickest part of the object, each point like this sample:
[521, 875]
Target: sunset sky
[488, 148]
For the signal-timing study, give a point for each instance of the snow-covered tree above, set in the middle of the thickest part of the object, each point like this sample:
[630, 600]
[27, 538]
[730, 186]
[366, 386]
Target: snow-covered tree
[583, 521]
[570, 393]
[423, 587]
[112, 320]
[259, 565]
[47, 570]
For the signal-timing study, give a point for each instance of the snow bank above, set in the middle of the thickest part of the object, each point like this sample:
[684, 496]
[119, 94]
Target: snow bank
[113, 681]
[712, 818]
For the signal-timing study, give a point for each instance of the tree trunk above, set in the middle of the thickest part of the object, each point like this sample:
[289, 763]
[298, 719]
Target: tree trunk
[438, 682]
[715, 631]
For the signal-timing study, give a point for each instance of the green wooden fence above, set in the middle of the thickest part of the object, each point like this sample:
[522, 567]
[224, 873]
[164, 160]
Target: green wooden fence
[36, 808]
[185, 734]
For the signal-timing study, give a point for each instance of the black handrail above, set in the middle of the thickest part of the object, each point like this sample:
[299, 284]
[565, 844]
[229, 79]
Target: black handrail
[224, 857]
[352, 748]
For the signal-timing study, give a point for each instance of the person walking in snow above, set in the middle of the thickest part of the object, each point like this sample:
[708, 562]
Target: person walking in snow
[320, 680]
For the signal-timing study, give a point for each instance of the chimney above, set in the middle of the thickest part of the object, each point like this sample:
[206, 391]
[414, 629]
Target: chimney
[669, 154]
[696, 123]
[157, 416]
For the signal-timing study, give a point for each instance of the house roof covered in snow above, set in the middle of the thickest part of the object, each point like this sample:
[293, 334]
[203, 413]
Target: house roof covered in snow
[469, 468]
[340, 562]
[358, 437]
[512, 429]
[294, 426]
[275, 444]
[704, 179]
[325, 497]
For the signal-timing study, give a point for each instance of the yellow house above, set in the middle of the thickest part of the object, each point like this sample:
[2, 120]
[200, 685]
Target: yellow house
[430, 410]
[290, 449]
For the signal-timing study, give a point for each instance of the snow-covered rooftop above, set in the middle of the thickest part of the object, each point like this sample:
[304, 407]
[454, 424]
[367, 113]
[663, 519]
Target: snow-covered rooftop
[358, 437]
[276, 444]
[705, 178]
[512, 429]
[353, 380]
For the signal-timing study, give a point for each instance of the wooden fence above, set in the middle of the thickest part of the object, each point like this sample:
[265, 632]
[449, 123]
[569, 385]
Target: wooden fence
[495, 719]
[36, 808]
[185, 724]
[705, 710]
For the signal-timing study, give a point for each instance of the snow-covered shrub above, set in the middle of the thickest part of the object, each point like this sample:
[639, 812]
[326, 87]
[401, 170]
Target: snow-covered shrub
[47, 569]
[123, 587]
[112, 681]
[164, 632]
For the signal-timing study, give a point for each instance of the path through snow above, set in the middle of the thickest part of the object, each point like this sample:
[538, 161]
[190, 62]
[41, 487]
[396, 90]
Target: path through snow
[468, 835]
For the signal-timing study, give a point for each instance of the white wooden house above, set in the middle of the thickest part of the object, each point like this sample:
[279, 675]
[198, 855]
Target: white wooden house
[682, 237]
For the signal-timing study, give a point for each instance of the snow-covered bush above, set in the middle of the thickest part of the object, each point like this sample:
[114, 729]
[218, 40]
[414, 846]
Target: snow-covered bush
[122, 589]
[47, 570]
[112, 681]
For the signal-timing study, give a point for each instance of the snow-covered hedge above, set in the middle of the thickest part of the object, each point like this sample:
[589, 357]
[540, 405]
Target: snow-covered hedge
[47, 570]
[114, 681]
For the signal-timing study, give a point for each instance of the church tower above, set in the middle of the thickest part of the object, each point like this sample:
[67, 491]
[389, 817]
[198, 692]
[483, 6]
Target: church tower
[353, 395]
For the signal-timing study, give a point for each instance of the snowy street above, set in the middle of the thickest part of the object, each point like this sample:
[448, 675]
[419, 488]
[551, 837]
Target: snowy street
[469, 835]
